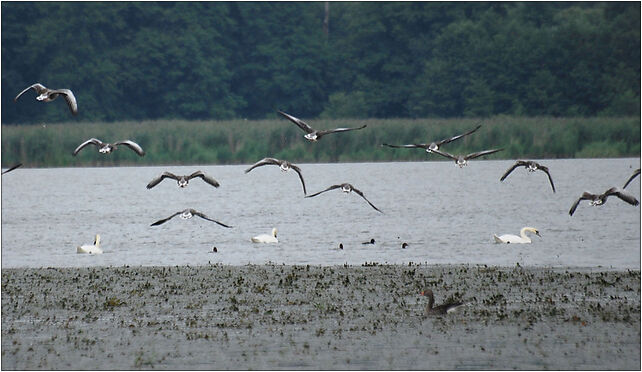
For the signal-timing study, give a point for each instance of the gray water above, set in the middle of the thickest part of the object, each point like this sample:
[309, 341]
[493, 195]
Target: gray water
[445, 214]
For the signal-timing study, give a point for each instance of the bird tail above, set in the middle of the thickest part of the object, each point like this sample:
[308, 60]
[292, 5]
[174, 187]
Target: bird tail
[497, 239]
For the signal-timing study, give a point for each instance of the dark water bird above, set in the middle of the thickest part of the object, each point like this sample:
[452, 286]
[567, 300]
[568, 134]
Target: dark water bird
[183, 180]
[438, 310]
[283, 164]
[531, 166]
[340, 245]
[347, 188]
[635, 174]
[462, 160]
[404, 245]
[12, 168]
[187, 214]
[371, 241]
[429, 147]
[599, 199]
[313, 134]
[106, 148]
[47, 95]
[214, 250]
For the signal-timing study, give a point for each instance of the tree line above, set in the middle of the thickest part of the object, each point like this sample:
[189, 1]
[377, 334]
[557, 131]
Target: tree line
[232, 60]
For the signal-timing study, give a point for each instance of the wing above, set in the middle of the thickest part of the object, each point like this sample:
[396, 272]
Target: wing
[364, 198]
[39, 88]
[418, 145]
[445, 154]
[585, 196]
[447, 140]
[298, 171]
[160, 222]
[70, 98]
[545, 170]
[204, 177]
[132, 145]
[320, 192]
[201, 215]
[324, 132]
[623, 195]
[481, 153]
[12, 168]
[300, 123]
[91, 141]
[635, 174]
[262, 162]
[158, 179]
[512, 168]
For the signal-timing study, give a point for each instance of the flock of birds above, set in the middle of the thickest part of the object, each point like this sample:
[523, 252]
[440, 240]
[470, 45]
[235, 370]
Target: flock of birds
[45, 94]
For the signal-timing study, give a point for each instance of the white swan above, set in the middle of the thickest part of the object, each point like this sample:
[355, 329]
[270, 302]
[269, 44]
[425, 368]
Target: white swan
[265, 238]
[510, 238]
[91, 249]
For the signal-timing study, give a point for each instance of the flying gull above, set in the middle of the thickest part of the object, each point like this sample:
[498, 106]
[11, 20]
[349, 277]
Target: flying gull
[313, 134]
[47, 95]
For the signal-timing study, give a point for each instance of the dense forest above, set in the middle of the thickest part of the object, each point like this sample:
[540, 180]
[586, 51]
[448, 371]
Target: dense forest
[193, 61]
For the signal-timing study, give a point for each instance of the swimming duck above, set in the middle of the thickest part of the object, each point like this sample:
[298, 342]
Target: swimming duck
[635, 174]
[187, 214]
[106, 148]
[438, 310]
[12, 168]
[347, 188]
[429, 147]
[596, 200]
[514, 239]
[312, 134]
[182, 180]
[462, 160]
[265, 238]
[371, 241]
[283, 164]
[91, 249]
[47, 95]
[531, 166]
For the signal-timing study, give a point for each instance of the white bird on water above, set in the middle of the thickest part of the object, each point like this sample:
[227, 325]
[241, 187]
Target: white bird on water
[514, 239]
[265, 238]
[91, 248]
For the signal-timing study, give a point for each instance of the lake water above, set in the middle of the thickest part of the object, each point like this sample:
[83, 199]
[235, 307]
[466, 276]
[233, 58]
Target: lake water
[445, 214]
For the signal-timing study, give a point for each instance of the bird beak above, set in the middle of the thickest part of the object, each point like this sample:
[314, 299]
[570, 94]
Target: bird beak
[537, 233]
[422, 293]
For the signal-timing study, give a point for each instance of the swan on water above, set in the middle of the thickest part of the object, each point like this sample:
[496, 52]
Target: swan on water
[599, 199]
[47, 95]
[183, 180]
[284, 165]
[514, 239]
[265, 238]
[531, 166]
[312, 134]
[346, 188]
[91, 248]
[438, 310]
[462, 160]
[429, 147]
[107, 148]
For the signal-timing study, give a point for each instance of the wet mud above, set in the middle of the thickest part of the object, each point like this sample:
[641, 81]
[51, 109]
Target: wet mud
[319, 317]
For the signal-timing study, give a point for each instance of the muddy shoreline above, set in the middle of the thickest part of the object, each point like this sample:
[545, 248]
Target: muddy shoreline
[319, 317]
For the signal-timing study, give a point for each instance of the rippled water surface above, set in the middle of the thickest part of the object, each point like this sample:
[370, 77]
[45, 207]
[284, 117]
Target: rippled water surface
[445, 214]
